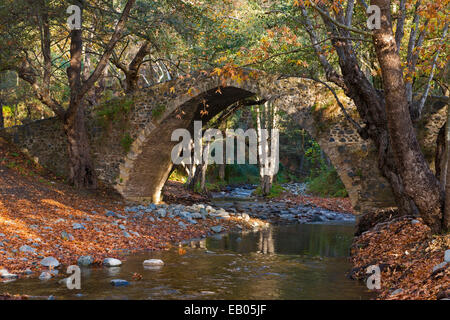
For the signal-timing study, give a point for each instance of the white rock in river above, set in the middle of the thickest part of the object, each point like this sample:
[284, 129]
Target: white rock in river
[153, 262]
[45, 276]
[50, 262]
[111, 262]
[6, 275]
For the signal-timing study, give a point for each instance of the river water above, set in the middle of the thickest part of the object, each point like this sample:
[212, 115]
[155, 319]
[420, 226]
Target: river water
[303, 261]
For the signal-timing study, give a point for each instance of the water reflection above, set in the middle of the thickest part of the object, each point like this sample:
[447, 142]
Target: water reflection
[283, 262]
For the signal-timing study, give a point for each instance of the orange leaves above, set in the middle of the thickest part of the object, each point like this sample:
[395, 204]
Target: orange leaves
[404, 251]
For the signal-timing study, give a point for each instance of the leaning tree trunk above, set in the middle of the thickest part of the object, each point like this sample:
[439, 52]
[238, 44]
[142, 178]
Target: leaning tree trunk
[419, 182]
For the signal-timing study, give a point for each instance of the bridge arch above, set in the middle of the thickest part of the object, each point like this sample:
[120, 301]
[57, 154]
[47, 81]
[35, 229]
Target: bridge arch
[146, 167]
[139, 171]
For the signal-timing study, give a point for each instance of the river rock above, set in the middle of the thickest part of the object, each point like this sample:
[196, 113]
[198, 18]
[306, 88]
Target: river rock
[126, 234]
[78, 226]
[85, 261]
[153, 262]
[447, 256]
[196, 215]
[119, 282]
[67, 236]
[45, 276]
[111, 262]
[217, 229]
[398, 291]
[6, 275]
[27, 249]
[109, 213]
[50, 262]
[161, 212]
[439, 267]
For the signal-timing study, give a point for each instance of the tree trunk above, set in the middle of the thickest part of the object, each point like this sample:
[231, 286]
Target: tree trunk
[2, 119]
[132, 76]
[419, 182]
[204, 166]
[446, 217]
[81, 171]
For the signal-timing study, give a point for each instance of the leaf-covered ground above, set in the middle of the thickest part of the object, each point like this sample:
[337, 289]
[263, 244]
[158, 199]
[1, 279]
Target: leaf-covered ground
[36, 211]
[334, 204]
[406, 252]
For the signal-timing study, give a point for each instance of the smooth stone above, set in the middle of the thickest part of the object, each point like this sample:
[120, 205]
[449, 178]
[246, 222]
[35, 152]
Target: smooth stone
[9, 276]
[161, 212]
[28, 249]
[153, 262]
[415, 221]
[50, 262]
[126, 234]
[45, 276]
[111, 262]
[398, 291]
[447, 256]
[119, 283]
[78, 226]
[196, 215]
[439, 266]
[110, 213]
[217, 229]
[67, 236]
[85, 261]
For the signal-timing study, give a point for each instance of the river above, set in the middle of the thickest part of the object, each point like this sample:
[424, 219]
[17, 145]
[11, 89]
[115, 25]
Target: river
[302, 261]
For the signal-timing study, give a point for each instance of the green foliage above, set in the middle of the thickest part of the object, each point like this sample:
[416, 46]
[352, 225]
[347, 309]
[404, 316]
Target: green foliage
[327, 184]
[126, 142]
[114, 109]
[275, 191]
[217, 186]
[323, 179]
[178, 175]
[158, 111]
[243, 173]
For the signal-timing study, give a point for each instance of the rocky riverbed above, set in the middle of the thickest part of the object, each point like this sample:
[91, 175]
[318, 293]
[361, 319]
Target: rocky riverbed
[283, 212]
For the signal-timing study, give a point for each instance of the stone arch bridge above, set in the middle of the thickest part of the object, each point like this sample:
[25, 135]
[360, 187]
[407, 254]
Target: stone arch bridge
[131, 136]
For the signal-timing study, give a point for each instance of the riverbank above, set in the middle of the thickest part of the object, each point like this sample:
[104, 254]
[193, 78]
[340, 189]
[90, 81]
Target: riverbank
[41, 217]
[411, 260]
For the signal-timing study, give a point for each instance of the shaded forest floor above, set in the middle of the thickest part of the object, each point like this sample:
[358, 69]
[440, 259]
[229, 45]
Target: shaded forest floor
[39, 211]
[406, 253]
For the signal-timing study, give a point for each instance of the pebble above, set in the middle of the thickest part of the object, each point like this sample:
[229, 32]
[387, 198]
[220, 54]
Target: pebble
[111, 262]
[78, 226]
[153, 262]
[439, 266]
[67, 236]
[9, 276]
[28, 249]
[119, 283]
[50, 262]
[447, 256]
[45, 276]
[85, 261]
[217, 229]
